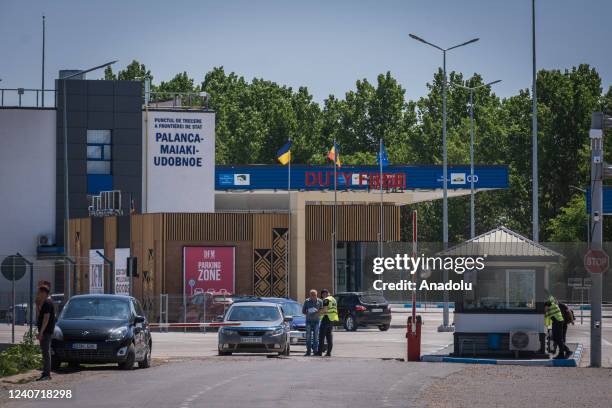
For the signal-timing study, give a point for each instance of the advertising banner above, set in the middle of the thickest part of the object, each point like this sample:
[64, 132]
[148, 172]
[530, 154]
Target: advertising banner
[180, 161]
[398, 177]
[208, 269]
[96, 271]
[122, 282]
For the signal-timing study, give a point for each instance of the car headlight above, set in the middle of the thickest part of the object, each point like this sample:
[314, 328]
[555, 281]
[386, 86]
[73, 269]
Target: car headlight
[277, 332]
[118, 334]
[57, 333]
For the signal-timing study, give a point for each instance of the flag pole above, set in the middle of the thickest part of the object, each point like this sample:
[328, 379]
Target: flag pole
[288, 249]
[381, 221]
[335, 233]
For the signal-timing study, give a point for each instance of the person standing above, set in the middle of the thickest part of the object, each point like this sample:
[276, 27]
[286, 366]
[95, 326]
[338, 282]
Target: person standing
[330, 315]
[311, 309]
[46, 325]
[552, 314]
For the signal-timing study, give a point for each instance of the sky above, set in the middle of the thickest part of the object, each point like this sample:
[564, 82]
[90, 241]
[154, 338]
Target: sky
[323, 45]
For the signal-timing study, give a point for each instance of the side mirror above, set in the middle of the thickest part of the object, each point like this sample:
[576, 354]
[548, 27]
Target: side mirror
[219, 318]
[139, 319]
[288, 319]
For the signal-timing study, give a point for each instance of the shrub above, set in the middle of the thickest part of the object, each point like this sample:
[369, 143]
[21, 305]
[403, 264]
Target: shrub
[20, 357]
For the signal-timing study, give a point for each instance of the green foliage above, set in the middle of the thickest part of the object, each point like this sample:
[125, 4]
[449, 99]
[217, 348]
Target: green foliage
[254, 119]
[570, 224]
[20, 357]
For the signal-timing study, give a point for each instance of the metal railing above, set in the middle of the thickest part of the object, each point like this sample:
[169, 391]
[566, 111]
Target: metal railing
[27, 97]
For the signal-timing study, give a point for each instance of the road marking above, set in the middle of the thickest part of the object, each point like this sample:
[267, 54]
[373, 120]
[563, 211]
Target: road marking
[187, 402]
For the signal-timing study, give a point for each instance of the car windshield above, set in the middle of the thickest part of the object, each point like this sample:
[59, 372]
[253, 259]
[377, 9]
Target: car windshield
[253, 314]
[372, 298]
[97, 308]
[291, 309]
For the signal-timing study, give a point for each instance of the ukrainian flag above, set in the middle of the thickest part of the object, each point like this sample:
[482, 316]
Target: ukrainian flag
[284, 153]
[334, 155]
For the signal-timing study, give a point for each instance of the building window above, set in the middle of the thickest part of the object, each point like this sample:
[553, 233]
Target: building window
[99, 152]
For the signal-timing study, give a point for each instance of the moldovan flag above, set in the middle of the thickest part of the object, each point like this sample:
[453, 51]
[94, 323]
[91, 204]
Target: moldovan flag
[284, 153]
[334, 155]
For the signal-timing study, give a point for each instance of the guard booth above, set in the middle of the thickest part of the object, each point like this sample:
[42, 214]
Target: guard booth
[503, 314]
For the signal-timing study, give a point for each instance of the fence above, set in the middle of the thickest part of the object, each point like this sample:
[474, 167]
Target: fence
[27, 97]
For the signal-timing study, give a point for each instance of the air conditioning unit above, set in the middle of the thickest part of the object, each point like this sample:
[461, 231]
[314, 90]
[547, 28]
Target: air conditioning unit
[522, 340]
[46, 240]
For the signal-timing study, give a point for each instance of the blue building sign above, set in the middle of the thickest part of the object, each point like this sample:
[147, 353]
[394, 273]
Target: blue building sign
[606, 197]
[303, 177]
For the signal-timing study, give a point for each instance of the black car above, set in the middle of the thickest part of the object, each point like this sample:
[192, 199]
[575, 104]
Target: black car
[357, 309]
[102, 329]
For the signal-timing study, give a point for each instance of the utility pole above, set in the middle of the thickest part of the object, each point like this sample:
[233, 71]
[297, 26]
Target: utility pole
[43, 62]
[599, 171]
[534, 132]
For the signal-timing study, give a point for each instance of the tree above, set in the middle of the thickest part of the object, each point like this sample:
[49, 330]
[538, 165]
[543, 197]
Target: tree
[569, 225]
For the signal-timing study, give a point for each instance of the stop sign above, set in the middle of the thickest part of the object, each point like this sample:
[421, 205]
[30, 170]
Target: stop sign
[596, 261]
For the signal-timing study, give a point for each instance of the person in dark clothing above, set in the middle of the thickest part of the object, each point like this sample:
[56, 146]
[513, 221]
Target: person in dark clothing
[46, 325]
[330, 315]
[568, 318]
[553, 314]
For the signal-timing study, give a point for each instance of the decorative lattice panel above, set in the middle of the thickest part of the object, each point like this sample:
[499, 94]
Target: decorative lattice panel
[263, 270]
[279, 262]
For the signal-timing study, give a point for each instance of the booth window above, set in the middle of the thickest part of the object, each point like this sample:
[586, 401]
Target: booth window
[99, 152]
[501, 289]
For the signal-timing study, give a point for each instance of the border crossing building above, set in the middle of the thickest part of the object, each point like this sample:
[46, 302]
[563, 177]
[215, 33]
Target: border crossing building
[183, 217]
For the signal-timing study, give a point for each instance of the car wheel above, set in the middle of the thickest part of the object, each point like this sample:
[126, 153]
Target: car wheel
[55, 364]
[349, 323]
[225, 353]
[128, 364]
[383, 327]
[146, 361]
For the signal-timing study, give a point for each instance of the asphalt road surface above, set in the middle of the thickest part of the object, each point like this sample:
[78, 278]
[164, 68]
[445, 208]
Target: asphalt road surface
[248, 381]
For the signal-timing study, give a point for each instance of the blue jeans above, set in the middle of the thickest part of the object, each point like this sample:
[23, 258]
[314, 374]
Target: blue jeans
[312, 336]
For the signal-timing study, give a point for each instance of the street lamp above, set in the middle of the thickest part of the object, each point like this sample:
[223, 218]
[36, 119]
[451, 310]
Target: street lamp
[472, 89]
[65, 124]
[445, 326]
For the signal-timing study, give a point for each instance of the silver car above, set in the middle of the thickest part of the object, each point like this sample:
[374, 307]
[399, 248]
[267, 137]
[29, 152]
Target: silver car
[263, 329]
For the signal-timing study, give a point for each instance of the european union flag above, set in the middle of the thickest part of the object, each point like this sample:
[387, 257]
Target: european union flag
[382, 158]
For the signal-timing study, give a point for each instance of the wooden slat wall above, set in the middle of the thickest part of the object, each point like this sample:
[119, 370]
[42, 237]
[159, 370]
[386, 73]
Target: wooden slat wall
[263, 224]
[208, 227]
[355, 222]
[80, 244]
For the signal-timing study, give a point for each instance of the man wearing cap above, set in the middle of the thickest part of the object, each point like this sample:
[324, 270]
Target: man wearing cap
[329, 314]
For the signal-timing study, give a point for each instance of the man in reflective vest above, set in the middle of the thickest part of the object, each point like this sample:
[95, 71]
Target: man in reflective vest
[329, 314]
[552, 314]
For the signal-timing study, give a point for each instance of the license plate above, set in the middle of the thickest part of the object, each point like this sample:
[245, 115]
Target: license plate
[250, 339]
[377, 310]
[85, 346]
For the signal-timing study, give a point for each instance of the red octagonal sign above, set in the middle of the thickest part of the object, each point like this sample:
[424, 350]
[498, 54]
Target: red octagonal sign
[596, 261]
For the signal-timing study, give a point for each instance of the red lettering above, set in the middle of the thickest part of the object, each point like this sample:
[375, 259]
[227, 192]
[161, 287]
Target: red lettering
[311, 179]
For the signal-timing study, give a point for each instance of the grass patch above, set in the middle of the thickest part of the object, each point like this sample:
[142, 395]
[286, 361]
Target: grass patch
[21, 357]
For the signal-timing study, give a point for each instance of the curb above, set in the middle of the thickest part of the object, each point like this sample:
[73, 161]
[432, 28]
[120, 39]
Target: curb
[574, 361]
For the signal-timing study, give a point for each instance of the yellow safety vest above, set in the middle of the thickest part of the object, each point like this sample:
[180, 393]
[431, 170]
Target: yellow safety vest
[332, 309]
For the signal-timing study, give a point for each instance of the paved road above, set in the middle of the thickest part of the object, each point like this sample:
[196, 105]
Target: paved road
[250, 381]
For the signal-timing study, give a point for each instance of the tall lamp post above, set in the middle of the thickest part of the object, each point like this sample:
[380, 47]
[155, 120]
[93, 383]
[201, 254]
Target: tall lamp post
[65, 125]
[472, 89]
[445, 324]
[534, 132]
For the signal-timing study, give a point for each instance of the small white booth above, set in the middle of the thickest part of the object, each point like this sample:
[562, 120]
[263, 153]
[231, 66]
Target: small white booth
[504, 311]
